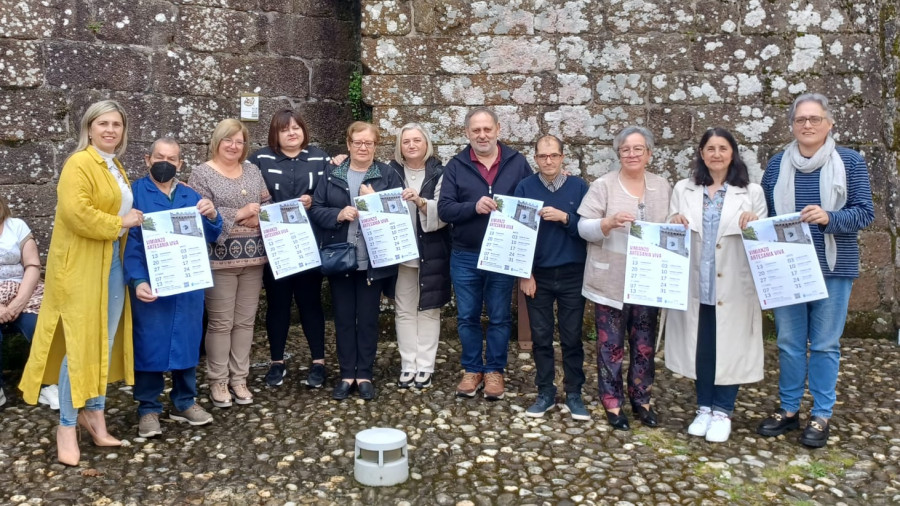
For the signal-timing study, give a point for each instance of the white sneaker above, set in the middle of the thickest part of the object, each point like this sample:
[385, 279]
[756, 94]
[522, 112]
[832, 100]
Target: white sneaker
[719, 428]
[700, 425]
[50, 396]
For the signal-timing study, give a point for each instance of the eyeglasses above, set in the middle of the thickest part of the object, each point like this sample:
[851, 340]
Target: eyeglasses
[359, 144]
[813, 120]
[232, 142]
[633, 151]
[552, 157]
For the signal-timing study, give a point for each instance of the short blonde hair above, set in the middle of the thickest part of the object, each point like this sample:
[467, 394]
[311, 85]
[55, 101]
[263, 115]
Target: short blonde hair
[93, 112]
[361, 126]
[225, 129]
[4, 210]
[429, 150]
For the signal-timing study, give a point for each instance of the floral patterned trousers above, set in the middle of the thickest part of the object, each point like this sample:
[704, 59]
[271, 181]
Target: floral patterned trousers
[640, 322]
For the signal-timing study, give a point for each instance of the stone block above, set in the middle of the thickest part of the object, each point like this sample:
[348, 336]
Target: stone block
[321, 37]
[671, 124]
[622, 88]
[385, 17]
[21, 64]
[284, 6]
[187, 73]
[717, 17]
[571, 89]
[597, 160]
[217, 30]
[660, 52]
[706, 88]
[673, 161]
[330, 79]
[461, 17]
[852, 53]
[325, 9]
[518, 125]
[814, 16]
[146, 23]
[266, 75]
[642, 16]
[31, 163]
[490, 89]
[327, 121]
[875, 249]
[732, 53]
[398, 55]
[584, 124]
[858, 125]
[866, 292]
[749, 124]
[398, 90]
[28, 20]
[79, 66]
[32, 114]
[859, 88]
[570, 17]
[29, 200]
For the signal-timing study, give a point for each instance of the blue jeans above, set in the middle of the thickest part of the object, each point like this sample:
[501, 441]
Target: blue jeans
[68, 415]
[148, 385]
[25, 323]
[809, 345]
[716, 397]
[474, 289]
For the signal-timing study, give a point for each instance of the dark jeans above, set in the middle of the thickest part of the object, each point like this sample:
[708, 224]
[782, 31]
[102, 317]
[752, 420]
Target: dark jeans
[563, 285]
[717, 397]
[475, 289]
[149, 384]
[639, 322]
[304, 288]
[25, 323]
[356, 307]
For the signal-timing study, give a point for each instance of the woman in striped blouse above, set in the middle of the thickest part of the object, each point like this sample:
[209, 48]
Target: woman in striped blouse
[829, 186]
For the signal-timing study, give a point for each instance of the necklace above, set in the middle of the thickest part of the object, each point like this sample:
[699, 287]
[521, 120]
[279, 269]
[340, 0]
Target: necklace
[413, 173]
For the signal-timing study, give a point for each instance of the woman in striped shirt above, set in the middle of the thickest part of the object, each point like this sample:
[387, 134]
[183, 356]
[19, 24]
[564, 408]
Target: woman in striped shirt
[829, 186]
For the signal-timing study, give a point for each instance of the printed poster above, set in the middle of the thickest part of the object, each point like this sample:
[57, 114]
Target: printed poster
[387, 227]
[783, 261]
[175, 249]
[657, 265]
[288, 237]
[511, 236]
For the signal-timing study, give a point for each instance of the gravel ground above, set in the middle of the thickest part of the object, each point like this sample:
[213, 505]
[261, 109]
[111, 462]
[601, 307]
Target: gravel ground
[294, 445]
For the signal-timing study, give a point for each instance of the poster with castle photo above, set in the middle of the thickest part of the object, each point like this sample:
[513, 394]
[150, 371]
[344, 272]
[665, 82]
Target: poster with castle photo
[387, 227]
[657, 265]
[511, 236]
[175, 249]
[783, 261]
[288, 238]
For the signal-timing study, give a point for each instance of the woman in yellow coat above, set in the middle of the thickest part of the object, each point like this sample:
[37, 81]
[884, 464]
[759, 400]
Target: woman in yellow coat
[83, 333]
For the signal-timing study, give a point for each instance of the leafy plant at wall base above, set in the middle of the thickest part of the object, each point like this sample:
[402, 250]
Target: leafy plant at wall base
[354, 94]
[95, 26]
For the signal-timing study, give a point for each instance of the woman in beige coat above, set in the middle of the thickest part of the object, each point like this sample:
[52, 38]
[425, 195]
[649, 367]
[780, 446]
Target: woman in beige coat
[718, 340]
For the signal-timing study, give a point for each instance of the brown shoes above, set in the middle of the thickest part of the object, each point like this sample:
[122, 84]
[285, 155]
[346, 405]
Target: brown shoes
[471, 383]
[493, 386]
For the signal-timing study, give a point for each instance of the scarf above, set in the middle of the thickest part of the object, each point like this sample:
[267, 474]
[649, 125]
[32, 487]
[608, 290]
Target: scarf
[832, 184]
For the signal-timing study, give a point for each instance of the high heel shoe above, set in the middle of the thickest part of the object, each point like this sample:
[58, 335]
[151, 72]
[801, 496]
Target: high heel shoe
[99, 439]
[67, 451]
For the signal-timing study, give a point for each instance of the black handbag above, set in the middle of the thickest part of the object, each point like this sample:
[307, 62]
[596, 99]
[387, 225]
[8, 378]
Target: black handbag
[338, 258]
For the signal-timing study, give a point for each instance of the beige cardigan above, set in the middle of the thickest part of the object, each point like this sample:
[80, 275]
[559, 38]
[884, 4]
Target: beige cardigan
[604, 270]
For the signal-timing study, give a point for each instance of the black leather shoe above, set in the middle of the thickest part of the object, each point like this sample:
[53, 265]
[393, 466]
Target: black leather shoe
[342, 390]
[646, 415]
[815, 434]
[618, 422]
[366, 390]
[777, 424]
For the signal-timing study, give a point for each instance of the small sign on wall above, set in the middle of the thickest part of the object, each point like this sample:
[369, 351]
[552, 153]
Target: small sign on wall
[249, 107]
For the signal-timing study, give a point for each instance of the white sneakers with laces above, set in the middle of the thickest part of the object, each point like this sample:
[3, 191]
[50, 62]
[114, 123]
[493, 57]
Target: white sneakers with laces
[719, 428]
[700, 425]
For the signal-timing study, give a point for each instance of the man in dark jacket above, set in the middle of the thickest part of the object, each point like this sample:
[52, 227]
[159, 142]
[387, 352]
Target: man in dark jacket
[471, 179]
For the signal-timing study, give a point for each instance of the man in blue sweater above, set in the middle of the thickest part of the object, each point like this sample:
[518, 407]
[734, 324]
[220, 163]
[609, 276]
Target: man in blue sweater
[471, 179]
[556, 275]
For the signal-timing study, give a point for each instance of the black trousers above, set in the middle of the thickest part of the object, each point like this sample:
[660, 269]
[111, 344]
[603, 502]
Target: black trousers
[304, 288]
[356, 307]
[561, 285]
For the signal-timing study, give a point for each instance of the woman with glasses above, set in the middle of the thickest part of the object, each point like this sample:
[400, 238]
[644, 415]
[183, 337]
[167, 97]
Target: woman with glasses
[612, 203]
[236, 189]
[355, 295]
[829, 186]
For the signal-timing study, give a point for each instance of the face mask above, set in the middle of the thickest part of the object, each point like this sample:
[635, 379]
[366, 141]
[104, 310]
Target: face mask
[162, 172]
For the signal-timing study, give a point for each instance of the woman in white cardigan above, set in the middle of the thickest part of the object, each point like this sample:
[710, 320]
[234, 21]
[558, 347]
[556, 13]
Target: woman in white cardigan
[718, 340]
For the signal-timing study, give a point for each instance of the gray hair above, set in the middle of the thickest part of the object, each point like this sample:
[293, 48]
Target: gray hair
[429, 150]
[95, 111]
[818, 98]
[485, 110]
[633, 129]
[164, 140]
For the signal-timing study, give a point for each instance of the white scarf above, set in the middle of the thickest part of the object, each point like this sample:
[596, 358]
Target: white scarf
[832, 184]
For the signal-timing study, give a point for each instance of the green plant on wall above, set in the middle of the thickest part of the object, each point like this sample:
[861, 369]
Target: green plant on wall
[95, 26]
[354, 94]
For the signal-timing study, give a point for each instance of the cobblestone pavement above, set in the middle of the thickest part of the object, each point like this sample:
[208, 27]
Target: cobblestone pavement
[294, 445]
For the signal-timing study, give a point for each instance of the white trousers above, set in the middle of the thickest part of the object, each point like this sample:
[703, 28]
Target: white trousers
[417, 331]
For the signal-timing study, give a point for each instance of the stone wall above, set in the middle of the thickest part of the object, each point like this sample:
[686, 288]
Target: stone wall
[177, 66]
[583, 69]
